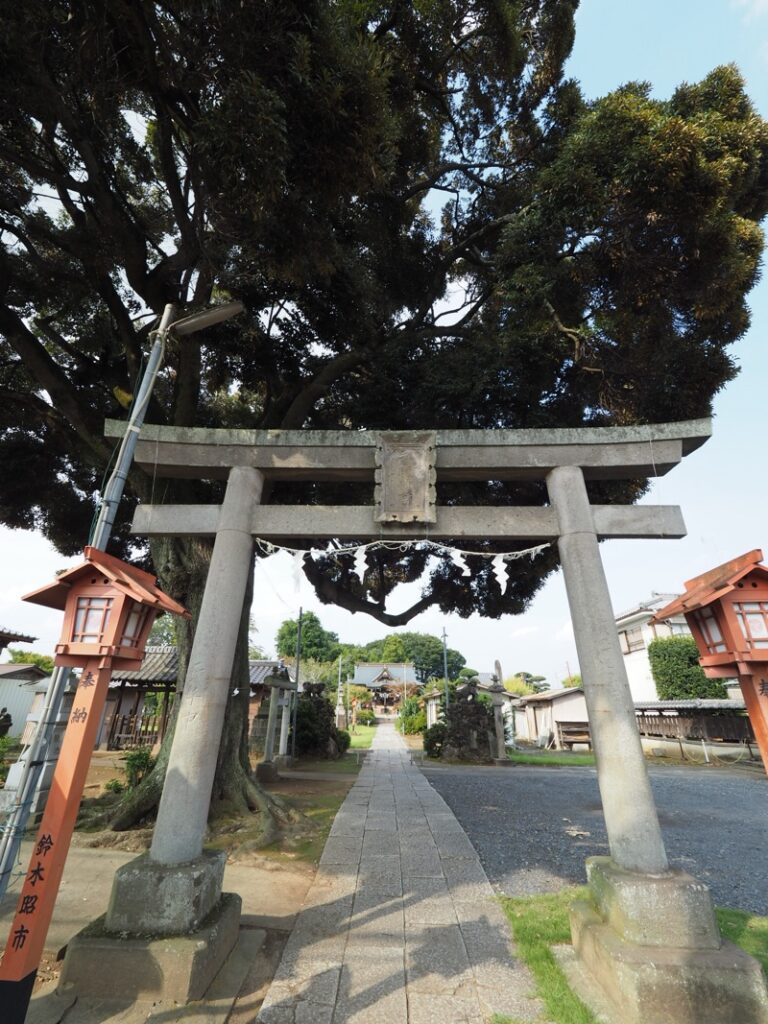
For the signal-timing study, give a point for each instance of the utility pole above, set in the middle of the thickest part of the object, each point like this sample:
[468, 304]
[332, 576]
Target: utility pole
[296, 699]
[445, 668]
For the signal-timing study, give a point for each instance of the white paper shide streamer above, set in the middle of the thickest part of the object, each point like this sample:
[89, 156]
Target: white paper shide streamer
[500, 570]
[361, 565]
[458, 559]
[499, 562]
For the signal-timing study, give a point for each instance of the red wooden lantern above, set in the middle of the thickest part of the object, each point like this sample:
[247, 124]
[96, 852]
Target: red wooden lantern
[109, 607]
[727, 612]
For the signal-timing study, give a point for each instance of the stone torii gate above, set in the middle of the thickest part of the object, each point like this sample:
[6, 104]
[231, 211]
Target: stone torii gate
[639, 901]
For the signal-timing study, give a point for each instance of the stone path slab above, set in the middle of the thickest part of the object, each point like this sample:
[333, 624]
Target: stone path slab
[400, 925]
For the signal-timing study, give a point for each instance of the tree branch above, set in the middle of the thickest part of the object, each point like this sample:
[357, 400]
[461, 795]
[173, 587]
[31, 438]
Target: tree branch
[331, 593]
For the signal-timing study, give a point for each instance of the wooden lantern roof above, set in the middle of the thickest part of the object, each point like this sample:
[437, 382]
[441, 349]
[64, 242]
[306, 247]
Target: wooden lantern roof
[710, 586]
[134, 583]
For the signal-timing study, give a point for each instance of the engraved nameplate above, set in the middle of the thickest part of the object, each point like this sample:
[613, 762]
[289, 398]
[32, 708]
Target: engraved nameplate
[405, 477]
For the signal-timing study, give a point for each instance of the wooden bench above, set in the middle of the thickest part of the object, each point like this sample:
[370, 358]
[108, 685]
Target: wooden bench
[569, 733]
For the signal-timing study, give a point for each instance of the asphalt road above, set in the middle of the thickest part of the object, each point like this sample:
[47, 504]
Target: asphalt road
[533, 827]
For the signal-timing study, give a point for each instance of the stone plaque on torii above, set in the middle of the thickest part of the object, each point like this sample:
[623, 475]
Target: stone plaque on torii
[639, 902]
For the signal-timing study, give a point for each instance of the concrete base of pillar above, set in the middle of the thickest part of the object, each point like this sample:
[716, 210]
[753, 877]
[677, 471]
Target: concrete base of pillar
[283, 761]
[504, 762]
[652, 945]
[266, 771]
[177, 968]
[161, 899]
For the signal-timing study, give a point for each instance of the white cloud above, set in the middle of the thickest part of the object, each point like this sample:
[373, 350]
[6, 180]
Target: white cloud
[752, 9]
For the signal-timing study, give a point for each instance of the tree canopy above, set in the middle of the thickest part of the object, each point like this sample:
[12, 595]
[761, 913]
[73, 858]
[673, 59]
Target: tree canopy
[317, 643]
[588, 265]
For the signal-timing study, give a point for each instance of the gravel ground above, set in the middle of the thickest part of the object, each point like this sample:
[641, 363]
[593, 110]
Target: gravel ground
[533, 827]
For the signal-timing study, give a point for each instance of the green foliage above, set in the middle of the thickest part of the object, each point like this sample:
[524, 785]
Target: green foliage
[6, 744]
[316, 643]
[412, 718]
[114, 786]
[518, 686]
[393, 649]
[572, 680]
[163, 632]
[138, 764]
[468, 723]
[365, 716]
[343, 740]
[606, 248]
[677, 672]
[316, 732]
[536, 684]
[43, 661]
[434, 738]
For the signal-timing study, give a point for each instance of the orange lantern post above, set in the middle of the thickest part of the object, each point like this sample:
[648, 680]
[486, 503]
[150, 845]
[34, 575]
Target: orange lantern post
[109, 607]
[727, 612]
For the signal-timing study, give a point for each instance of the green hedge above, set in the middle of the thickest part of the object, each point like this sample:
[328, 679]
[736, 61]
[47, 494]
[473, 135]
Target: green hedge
[677, 673]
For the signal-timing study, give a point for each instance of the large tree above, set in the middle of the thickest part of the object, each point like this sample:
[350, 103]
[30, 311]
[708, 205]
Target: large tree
[595, 255]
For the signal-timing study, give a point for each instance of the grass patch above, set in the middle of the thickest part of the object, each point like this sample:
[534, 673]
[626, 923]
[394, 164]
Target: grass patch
[558, 759]
[362, 737]
[537, 924]
[747, 930]
[307, 846]
[540, 922]
[348, 764]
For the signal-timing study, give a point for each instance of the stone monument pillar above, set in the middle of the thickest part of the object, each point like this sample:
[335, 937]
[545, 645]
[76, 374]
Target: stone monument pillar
[497, 697]
[283, 759]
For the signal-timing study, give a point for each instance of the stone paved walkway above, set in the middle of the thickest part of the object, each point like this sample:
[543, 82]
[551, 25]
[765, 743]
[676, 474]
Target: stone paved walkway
[400, 925]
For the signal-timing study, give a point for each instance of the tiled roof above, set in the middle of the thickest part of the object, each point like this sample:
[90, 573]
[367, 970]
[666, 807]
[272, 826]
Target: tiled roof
[19, 669]
[161, 666]
[551, 694]
[10, 636]
[368, 673]
[702, 704]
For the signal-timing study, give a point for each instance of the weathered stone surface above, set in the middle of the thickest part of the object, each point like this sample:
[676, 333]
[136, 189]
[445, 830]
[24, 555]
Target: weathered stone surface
[658, 985]
[149, 898]
[405, 477]
[101, 965]
[669, 910]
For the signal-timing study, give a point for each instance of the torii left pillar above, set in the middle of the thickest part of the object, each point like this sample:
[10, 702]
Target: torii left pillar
[176, 889]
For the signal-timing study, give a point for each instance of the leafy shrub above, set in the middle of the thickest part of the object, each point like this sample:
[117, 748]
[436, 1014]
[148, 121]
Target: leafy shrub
[114, 786]
[316, 732]
[343, 740]
[366, 717]
[138, 764]
[415, 723]
[677, 673]
[412, 718]
[5, 747]
[434, 738]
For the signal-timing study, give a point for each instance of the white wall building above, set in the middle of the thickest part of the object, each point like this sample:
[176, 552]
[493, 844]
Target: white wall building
[635, 633]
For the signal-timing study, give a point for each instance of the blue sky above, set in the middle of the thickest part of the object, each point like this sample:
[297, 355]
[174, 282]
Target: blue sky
[722, 488]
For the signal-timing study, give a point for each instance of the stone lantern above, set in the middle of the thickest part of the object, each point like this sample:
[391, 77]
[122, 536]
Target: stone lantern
[109, 607]
[727, 612]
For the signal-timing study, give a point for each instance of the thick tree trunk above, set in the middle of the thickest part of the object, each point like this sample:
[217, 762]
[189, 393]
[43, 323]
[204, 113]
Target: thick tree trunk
[182, 568]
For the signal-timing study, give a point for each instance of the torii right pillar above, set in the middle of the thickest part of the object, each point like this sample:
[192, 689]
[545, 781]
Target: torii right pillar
[648, 935]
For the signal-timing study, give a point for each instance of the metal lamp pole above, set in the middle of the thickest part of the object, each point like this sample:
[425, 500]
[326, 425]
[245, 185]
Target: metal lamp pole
[34, 761]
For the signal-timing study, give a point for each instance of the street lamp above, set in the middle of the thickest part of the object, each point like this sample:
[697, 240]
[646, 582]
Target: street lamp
[113, 492]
